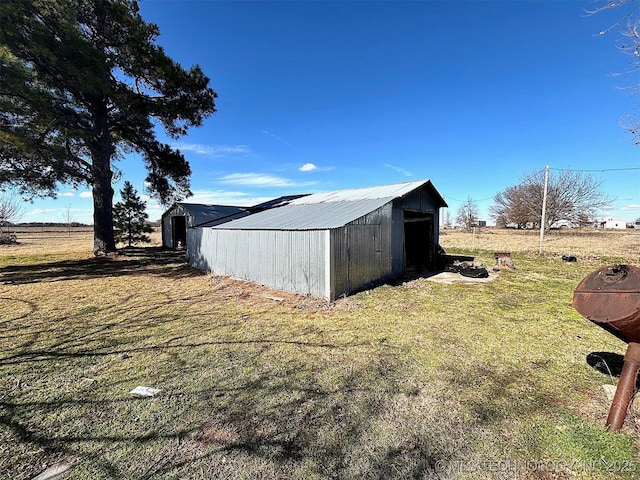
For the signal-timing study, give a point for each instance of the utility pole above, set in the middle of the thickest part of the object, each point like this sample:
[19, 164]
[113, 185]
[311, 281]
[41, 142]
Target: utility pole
[544, 206]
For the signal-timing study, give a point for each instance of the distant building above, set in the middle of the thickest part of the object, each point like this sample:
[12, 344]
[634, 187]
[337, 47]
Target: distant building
[182, 216]
[562, 224]
[614, 224]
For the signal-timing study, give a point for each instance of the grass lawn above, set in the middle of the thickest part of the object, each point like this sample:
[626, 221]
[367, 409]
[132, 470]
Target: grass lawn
[414, 379]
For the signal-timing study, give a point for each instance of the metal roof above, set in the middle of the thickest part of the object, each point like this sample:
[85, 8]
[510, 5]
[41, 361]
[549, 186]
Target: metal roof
[312, 216]
[327, 210]
[203, 213]
[368, 193]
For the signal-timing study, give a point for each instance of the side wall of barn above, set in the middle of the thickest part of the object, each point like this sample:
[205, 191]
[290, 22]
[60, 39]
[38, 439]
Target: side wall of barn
[294, 261]
[362, 253]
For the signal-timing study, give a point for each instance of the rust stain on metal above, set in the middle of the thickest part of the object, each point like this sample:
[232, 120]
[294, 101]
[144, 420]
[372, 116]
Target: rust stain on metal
[610, 298]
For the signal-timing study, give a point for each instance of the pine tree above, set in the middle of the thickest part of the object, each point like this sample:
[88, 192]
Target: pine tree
[84, 83]
[130, 218]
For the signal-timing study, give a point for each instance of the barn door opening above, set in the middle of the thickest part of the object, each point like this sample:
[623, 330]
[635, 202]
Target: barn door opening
[179, 231]
[418, 240]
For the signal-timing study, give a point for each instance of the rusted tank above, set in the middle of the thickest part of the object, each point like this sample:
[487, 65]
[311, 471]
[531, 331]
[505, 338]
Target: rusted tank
[610, 297]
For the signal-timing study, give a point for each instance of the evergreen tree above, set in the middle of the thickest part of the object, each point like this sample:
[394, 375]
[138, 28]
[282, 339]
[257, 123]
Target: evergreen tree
[130, 218]
[83, 83]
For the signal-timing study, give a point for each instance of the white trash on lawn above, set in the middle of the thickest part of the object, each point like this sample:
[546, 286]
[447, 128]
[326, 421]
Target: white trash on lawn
[145, 391]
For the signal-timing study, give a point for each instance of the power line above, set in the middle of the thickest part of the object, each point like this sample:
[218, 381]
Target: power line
[447, 197]
[624, 169]
[598, 171]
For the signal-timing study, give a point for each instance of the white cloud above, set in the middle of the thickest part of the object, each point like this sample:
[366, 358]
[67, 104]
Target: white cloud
[631, 207]
[308, 167]
[213, 150]
[86, 194]
[40, 211]
[259, 180]
[402, 171]
[226, 197]
[67, 194]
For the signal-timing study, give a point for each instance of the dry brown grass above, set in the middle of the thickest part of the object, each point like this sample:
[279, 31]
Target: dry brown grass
[588, 244]
[413, 379]
[57, 242]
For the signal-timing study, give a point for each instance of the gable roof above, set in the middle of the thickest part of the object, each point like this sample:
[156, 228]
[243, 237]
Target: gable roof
[201, 213]
[313, 216]
[244, 211]
[395, 190]
[328, 210]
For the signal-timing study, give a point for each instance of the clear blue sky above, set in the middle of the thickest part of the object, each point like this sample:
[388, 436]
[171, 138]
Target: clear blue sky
[317, 96]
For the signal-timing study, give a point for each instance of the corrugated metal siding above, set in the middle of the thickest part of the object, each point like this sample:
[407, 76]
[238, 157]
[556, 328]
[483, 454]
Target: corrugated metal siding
[197, 248]
[167, 239]
[293, 261]
[420, 201]
[362, 252]
[397, 239]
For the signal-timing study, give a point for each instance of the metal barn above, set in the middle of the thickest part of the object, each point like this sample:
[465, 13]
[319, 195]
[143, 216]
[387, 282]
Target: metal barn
[182, 216]
[326, 244]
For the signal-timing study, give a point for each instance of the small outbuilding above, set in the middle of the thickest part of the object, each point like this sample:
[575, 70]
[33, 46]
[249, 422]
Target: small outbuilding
[182, 216]
[613, 224]
[326, 244]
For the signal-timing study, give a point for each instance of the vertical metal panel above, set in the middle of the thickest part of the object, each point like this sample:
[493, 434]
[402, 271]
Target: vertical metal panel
[167, 240]
[420, 200]
[293, 261]
[362, 252]
[329, 254]
[397, 240]
[199, 248]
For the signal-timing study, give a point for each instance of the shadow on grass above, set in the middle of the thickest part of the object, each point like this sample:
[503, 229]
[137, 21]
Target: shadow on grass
[608, 363]
[129, 261]
[271, 421]
[262, 406]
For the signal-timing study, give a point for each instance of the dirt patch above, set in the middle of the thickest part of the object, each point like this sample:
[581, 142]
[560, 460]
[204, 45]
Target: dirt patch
[254, 294]
[449, 278]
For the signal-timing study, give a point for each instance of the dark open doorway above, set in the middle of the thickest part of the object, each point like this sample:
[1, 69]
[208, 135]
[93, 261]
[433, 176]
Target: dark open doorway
[418, 240]
[179, 231]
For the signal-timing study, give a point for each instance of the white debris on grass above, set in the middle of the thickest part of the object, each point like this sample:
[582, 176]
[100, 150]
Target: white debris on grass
[59, 471]
[145, 391]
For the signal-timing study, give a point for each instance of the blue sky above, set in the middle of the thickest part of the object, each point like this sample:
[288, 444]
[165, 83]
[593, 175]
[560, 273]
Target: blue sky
[317, 96]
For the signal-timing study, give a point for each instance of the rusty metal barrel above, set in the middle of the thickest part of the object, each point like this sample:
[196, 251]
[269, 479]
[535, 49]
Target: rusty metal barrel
[610, 298]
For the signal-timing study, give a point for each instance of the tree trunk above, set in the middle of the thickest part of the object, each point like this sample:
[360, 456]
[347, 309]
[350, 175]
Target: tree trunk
[103, 239]
[102, 150]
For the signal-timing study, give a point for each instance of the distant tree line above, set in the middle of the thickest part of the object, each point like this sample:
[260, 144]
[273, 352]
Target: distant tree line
[575, 197]
[49, 224]
[572, 196]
